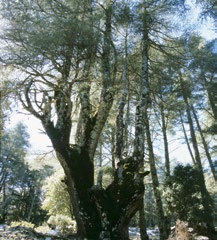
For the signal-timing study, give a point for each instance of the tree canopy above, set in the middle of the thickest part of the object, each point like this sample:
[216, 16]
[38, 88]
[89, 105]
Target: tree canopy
[112, 78]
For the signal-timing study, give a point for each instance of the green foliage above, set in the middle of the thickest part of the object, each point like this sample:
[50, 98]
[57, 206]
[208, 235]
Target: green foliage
[56, 196]
[46, 31]
[20, 187]
[57, 203]
[12, 166]
[65, 223]
[183, 194]
[22, 224]
[55, 44]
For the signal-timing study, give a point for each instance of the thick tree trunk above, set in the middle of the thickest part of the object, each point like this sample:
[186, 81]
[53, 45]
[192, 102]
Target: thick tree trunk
[102, 213]
[99, 213]
[79, 179]
[120, 200]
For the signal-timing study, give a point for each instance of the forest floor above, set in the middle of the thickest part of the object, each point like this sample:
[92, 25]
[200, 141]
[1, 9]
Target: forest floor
[24, 233]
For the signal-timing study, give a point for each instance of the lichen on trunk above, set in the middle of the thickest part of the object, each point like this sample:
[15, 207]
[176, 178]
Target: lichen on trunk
[119, 202]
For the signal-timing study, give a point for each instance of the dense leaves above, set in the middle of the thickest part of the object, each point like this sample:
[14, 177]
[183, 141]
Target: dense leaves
[183, 194]
[73, 60]
[57, 200]
[20, 187]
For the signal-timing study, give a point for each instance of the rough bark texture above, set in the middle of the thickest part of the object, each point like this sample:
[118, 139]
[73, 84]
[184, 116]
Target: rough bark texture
[120, 200]
[142, 125]
[100, 213]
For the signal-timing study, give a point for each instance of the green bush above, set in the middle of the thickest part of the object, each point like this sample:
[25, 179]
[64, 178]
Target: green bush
[57, 199]
[183, 194]
[62, 222]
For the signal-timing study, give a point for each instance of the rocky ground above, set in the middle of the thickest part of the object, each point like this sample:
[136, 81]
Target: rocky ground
[24, 233]
[180, 231]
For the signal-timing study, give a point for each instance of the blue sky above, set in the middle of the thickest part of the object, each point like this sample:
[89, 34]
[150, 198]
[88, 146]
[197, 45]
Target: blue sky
[40, 141]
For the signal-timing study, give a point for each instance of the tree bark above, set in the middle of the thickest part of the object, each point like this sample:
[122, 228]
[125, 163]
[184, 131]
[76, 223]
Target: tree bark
[142, 125]
[166, 147]
[205, 145]
[162, 220]
[1, 121]
[32, 205]
[186, 140]
[100, 213]
[119, 201]
[142, 222]
[206, 199]
[120, 139]
[211, 90]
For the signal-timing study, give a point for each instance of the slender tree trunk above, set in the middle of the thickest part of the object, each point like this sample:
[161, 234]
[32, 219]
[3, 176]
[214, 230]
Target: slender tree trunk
[186, 140]
[113, 147]
[205, 146]
[100, 155]
[162, 220]
[144, 100]
[211, 90]
[1, 121]
[119, 145]
[4, 211]
[3, 171]
[142, 222]
[139, 156]
[206, 199]
[166, 147]
[32, 205]
[143, 122]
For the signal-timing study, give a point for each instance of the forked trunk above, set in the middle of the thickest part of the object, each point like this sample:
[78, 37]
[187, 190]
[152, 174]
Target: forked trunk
[119, 202]
[101, 213]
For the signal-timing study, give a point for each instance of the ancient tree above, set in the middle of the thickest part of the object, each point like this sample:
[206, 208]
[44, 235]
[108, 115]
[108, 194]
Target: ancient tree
[65, 55]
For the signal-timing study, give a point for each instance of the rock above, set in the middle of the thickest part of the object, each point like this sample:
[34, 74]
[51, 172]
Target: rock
[201, 238]
[2, 227]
